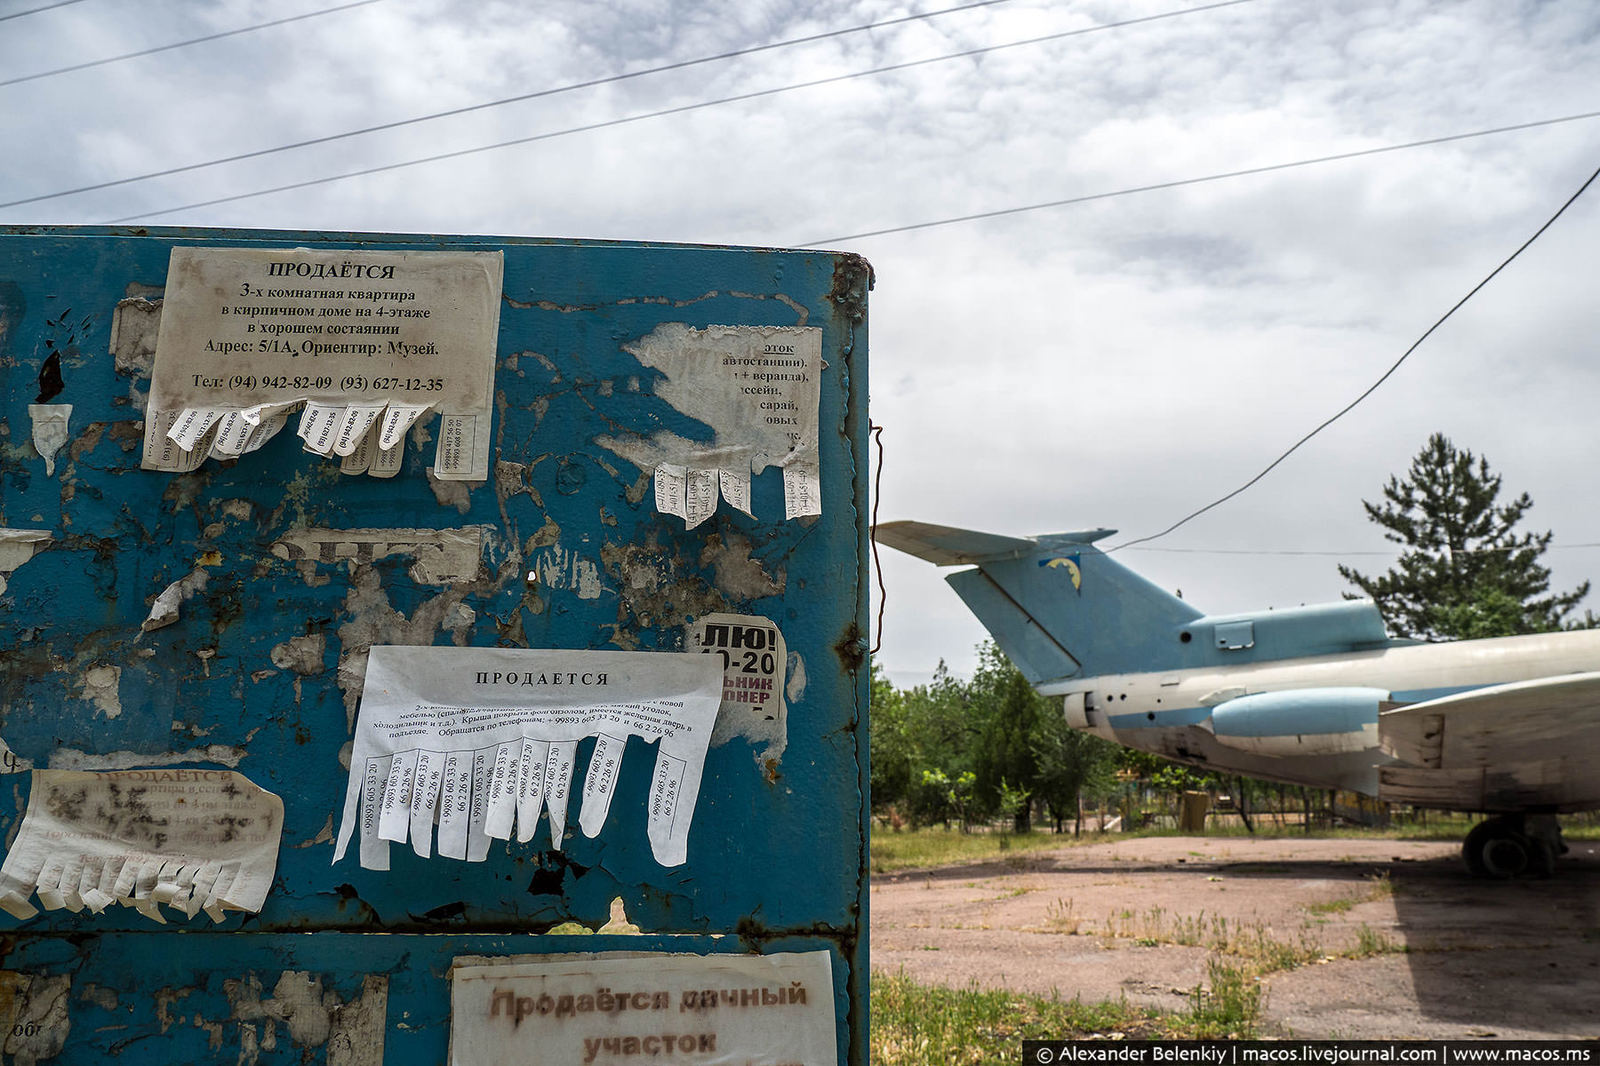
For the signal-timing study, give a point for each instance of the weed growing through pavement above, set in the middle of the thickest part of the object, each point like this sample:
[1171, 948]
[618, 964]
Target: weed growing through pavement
[1059, 917]
[1370, 942]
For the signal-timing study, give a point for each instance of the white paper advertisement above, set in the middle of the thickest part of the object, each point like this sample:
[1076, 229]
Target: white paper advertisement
[607, 1009]
[753, 657]
[758, 388]
[190, 839]
[456, 747]
[354, 346]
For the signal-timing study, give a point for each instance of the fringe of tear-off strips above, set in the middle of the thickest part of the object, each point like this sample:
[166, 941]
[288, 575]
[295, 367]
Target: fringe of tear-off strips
[367, 438]
[141, 881]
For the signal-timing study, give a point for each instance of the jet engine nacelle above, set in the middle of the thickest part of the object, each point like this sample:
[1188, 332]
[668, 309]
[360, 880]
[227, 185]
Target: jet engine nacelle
[1307, 721]
[1089, 719]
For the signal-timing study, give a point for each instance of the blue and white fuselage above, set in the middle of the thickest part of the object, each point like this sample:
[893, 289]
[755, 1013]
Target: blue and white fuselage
[1315, 721]
[1316, 696]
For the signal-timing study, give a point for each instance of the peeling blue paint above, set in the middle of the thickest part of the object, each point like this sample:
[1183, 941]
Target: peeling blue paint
[225, 681]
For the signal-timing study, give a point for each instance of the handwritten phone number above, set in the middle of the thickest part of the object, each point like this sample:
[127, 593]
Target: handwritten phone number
[348, 383]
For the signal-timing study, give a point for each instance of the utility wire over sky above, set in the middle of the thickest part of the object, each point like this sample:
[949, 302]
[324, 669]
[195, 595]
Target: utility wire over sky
[179, 44]
[1374, 386]
[610, 123]
[502, 102]
[37, 10]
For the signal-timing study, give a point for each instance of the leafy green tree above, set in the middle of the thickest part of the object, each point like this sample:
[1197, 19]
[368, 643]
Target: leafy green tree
[914, 731]
[938, 797]
[1008, 715]
[891, 746]
[1071, 764]
[1466, 570]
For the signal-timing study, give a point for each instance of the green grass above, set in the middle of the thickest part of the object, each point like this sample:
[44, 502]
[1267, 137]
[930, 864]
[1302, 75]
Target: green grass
[925, 848]
[916, 849]
[922, 1025]
[1370, 942]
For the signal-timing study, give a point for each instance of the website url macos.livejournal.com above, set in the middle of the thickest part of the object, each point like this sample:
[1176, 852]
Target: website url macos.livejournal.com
[1328, 1052]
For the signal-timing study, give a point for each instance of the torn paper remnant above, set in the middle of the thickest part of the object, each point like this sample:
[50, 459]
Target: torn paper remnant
[441, 556]
[49, 431]
[480, 740]
[17, 546]
[190, 839]
[164, 611]
[758, 388]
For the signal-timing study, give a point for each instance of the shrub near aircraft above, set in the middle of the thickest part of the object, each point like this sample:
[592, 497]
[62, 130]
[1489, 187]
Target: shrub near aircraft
[1318, 696]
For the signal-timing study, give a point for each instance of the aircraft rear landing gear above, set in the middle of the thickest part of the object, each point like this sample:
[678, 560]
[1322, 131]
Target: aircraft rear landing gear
[1511, 845]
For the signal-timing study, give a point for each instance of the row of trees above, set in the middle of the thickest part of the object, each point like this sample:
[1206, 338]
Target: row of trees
[972, 751]
[991, 747]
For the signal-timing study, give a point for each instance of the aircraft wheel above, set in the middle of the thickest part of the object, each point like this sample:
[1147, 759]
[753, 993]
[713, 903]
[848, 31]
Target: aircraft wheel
[1497, 850]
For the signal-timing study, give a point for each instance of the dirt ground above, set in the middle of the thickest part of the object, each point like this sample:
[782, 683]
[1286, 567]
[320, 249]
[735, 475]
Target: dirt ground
[1443, 955]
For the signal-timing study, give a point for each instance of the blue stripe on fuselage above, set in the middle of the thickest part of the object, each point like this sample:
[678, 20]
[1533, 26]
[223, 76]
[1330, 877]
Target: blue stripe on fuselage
[1195, 715]
[1422, 695]
[1152, 719]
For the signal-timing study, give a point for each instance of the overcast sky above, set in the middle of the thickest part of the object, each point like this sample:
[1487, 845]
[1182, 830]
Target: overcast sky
[1119, 362]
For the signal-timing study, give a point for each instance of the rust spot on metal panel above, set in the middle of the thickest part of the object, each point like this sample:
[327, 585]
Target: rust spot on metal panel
[851, 648]
[739, 574]
[852, 280]
[349, 896]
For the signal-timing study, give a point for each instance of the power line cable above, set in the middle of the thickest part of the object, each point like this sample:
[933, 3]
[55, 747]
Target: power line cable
[36, 10]
[684, 108]
[520, 98]
[1342, 554]
[179, 44]
[1180, 183]
[1374, 386]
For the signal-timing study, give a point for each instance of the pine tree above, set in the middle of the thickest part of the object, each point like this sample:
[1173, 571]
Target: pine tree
[1466, 570]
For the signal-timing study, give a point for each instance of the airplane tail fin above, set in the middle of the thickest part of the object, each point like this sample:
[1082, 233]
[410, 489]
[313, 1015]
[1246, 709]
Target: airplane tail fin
[1058, 606]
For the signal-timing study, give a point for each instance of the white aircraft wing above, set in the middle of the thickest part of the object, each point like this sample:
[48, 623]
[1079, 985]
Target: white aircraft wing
[948, 546]
[1522, 746]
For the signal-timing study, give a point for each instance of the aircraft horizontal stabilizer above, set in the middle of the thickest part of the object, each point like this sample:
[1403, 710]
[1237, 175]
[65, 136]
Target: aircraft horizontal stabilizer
[949, 546]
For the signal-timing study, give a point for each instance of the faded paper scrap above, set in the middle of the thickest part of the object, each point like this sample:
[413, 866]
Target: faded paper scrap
[10, 762]
[477, 741]
[758, 388]
[363, 342]
[17, 546]
[440, 556]
[190, 839]
[620, 1008]
[50, 423]
[164, 611]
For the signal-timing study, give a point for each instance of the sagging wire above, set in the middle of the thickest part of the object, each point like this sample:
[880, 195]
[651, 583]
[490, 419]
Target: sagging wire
[877, 483]
[1347, 408]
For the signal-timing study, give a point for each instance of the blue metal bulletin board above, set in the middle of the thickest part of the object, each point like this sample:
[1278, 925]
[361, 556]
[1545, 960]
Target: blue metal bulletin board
[305, 567]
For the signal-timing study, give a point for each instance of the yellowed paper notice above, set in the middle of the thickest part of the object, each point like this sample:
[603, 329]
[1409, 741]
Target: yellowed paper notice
[362, 342]
[191, 840]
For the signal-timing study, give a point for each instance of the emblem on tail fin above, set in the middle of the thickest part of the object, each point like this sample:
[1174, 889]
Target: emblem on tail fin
[1072, 564]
